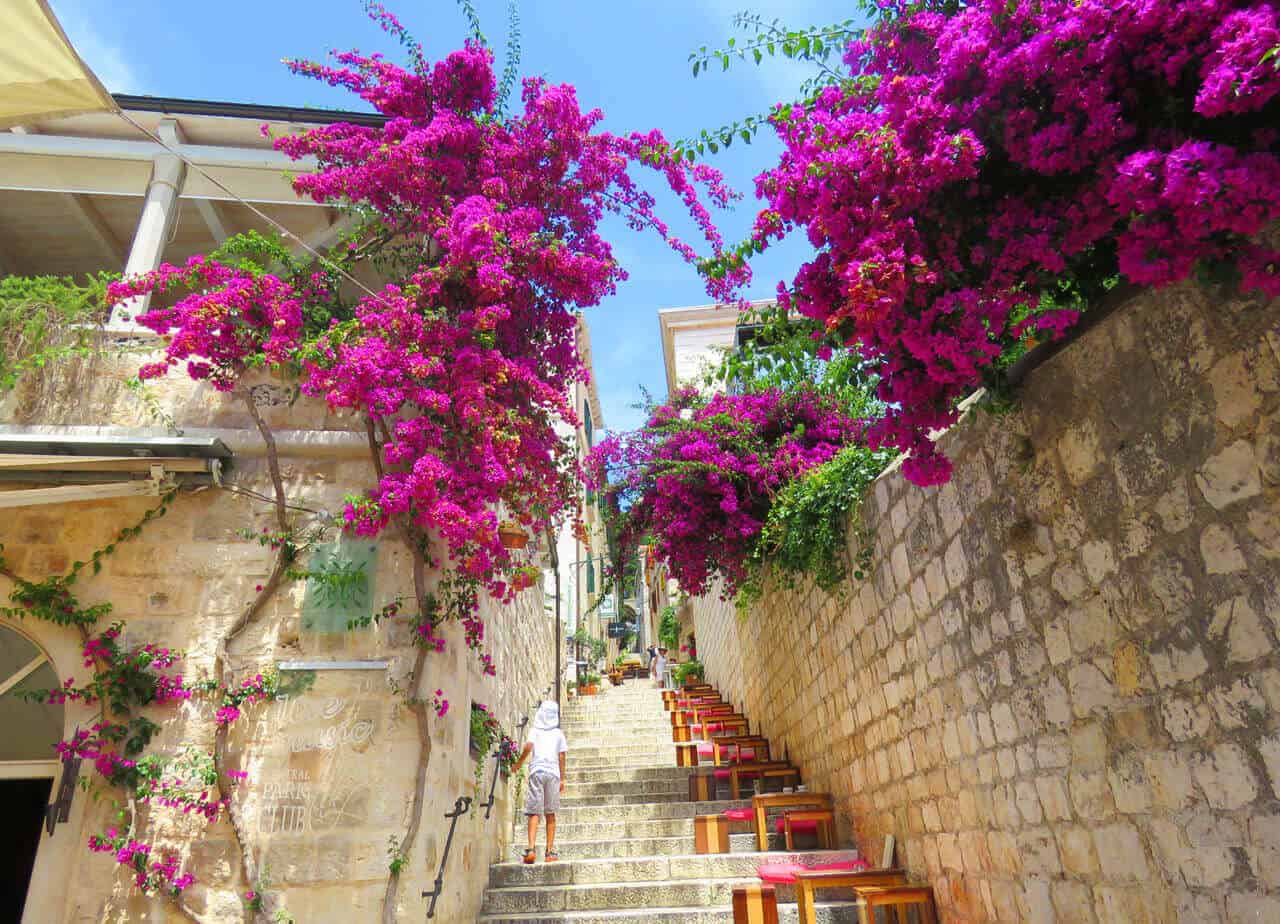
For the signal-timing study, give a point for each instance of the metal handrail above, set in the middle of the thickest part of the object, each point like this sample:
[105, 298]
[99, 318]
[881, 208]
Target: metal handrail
[460, 808]
[497, 768]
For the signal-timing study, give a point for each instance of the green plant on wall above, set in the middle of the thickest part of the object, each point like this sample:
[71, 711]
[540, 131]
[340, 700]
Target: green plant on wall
[688, 670]
[669, 628]
[807, 531]
[43, 318]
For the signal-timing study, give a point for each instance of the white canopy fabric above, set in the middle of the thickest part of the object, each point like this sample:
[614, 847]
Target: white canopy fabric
[40, 73]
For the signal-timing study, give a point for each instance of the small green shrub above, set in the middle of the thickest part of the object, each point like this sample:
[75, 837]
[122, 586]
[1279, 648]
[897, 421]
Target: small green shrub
[806, 533]
[669, 628]
[43, 318]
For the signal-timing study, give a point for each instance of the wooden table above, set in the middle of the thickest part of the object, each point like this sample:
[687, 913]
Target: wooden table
[757, 742]
[762, 802]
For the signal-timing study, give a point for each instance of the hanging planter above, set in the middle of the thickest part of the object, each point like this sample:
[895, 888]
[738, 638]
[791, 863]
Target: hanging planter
[512, 535]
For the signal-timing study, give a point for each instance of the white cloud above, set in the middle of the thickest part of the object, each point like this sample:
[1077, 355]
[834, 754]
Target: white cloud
[107, 59]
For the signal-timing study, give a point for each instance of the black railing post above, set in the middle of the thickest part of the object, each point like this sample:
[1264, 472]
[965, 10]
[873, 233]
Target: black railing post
[497, 768]
[460, 808]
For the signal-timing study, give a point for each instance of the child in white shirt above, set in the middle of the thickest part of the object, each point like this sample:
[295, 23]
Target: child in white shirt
[548, 746]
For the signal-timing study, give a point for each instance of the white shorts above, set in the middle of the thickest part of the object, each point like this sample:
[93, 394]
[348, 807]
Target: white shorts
[543, 797]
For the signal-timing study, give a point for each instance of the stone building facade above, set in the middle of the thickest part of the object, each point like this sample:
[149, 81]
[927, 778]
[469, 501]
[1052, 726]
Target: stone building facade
[1059, 689]
[332, 762]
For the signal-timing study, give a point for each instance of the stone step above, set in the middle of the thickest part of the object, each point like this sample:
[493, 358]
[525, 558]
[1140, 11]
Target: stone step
[601, 737]
[582, 788]
[826, 913]
[626, 763]
[696, 893]
[573, 799]
[674, 893]
[606, 753]
[653, 868]
[578, 814]
[650, 846]
[568, 832]
[626, 775]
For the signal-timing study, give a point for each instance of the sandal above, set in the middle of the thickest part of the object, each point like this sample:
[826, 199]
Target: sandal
[551, 857]
[530, 856]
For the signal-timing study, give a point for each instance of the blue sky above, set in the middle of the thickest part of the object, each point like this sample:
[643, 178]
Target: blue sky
[628, 57]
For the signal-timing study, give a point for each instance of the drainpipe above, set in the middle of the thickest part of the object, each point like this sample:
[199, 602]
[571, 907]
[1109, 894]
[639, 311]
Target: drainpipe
[155, 225]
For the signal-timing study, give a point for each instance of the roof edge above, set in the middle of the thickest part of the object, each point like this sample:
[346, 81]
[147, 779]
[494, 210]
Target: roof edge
[173, 104]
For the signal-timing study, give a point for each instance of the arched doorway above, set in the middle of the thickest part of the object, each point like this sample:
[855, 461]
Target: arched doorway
[28, 764]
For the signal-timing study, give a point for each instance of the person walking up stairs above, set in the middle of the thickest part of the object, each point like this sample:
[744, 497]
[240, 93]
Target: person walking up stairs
[625, 833]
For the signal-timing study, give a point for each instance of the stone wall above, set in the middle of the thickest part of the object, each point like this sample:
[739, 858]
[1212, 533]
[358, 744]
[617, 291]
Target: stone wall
[332, 763]
[1060, 687]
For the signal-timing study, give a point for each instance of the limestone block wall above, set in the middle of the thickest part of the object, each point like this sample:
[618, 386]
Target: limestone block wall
[1060, 687]
[332, 763]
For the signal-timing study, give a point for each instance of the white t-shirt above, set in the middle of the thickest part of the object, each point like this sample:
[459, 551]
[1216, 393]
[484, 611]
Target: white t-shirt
[548, 745]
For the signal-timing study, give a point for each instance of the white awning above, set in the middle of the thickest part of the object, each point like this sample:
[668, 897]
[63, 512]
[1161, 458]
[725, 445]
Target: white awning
[40, 73]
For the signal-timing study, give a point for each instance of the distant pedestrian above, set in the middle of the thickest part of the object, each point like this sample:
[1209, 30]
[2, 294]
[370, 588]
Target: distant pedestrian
[548, 746]
[661, 666]
[652, 652]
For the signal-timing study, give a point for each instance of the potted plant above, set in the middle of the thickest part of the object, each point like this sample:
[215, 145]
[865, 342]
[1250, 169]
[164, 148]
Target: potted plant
[688, 673]
[590, 684]
[512, 535]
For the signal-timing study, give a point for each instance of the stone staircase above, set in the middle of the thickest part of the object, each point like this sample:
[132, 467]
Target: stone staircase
[625, 833]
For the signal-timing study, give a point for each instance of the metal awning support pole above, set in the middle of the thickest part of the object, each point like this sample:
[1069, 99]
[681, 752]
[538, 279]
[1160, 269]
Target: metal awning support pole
[460, 808]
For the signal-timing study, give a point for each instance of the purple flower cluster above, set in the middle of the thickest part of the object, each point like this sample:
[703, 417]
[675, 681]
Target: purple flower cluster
[698, 479]
[161, 875]
[992, 165]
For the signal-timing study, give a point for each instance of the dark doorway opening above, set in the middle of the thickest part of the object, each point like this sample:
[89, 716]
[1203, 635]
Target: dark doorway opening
[24, 802]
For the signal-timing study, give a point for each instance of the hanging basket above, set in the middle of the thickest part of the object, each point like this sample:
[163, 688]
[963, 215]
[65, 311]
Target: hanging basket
[513, 537]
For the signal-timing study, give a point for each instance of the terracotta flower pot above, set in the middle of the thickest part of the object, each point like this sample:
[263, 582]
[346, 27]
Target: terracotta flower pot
[513, 537]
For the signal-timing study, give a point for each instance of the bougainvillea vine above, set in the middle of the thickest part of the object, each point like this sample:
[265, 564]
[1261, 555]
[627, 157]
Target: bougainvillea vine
[988, 169]
[698, 479]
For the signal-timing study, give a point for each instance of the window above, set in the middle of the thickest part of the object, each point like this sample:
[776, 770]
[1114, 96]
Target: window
[587, 422]
[591, 577]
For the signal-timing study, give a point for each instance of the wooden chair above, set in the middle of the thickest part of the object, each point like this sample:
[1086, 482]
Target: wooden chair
[724, 725]
[687, 754]
[722, 744]
[825, 820]
[702, 786]
[782, 801]
[897, 902]
[808, 884]
[710, 834]
[762, 771]
[755, 904]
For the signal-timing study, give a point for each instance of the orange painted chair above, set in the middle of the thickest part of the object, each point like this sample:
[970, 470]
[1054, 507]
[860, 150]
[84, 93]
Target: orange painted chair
[755, 904]
[897, 901]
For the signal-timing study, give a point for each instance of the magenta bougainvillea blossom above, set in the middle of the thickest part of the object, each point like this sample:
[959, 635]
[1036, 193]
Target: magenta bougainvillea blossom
[126, 679]
[698, 479]
[991, 167]
[463, 362]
